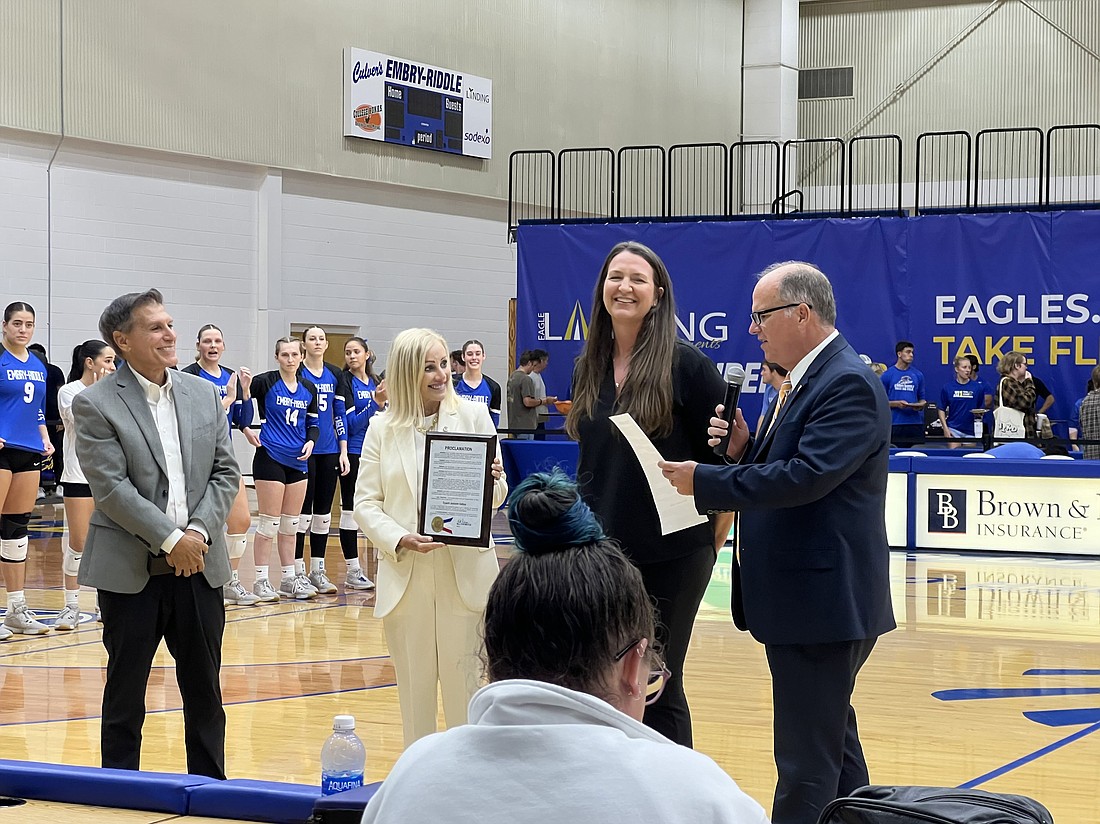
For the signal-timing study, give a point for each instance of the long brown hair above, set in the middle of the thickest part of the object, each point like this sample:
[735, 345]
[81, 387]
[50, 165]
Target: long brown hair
[647, 392]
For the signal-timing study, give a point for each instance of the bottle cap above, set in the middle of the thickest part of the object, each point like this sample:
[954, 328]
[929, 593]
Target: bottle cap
[343, 722]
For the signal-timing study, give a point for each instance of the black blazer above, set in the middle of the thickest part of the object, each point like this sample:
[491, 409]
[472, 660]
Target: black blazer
[814, 561]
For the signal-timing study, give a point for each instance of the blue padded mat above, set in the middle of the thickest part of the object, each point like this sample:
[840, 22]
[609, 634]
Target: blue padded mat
[254, 800]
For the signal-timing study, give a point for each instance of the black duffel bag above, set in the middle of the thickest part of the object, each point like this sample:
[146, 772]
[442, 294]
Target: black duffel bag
[933, 805]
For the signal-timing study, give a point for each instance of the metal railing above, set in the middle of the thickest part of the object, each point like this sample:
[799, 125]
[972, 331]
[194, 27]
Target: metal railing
[953, 171]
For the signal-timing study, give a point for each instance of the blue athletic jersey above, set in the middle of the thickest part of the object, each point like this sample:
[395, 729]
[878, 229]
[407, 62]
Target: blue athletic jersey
[904, 385]
[330, 409]
[22, 401]
[359, 408]
[957, 400]
[487, 392]
[289, 419]
[240, 413]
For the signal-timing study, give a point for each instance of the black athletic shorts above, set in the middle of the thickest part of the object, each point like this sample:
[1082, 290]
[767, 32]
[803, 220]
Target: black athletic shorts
[266, 468]
[17, 460]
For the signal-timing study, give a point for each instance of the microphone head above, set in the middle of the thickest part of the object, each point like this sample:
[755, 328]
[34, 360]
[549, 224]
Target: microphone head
[735, 374]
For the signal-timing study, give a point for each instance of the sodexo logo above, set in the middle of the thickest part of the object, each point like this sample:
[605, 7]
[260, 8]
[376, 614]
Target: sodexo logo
[947, 510]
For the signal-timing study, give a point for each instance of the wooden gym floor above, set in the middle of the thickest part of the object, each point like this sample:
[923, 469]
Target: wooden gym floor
[991, 680]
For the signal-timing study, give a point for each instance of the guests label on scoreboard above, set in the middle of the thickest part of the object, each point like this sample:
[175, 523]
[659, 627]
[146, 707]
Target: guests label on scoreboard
[401, 101]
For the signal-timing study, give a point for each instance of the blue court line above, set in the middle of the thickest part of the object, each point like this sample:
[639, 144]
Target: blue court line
[1062, 672]
[230, 704]
[1064, 718]
[1027, 759]
[1024, 692]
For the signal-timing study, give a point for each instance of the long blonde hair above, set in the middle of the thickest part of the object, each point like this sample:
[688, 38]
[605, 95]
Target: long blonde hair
[404, 368]
[647, 392]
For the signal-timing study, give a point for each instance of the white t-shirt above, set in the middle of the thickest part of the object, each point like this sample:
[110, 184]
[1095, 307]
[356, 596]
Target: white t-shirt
[72, 473]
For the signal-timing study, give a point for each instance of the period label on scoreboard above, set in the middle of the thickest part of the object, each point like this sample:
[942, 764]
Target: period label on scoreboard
[415, 104]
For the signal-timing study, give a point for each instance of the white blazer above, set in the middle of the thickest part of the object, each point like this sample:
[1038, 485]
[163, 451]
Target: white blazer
[387, 500]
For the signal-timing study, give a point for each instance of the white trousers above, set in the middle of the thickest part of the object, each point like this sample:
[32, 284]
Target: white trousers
[433, 638]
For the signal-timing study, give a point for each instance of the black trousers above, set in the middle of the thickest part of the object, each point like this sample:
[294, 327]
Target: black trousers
[817, 750]
[676, 587]
[188, 614]
[324, 474]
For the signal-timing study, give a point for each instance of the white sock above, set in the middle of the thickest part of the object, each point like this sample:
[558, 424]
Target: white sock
[316, 564]
[353, 564]
[261, 573]
[290, 570]
[72, 597]
[16, 598]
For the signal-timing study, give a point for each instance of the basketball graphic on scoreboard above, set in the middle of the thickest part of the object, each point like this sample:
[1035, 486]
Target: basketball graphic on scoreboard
[400, 101]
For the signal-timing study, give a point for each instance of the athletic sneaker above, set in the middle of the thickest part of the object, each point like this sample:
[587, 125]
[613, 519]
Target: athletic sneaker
[303, 580]
[68, 618]
[234, 594]
[5, 633]
[295, 588]
[356, 579]
[263, 591]
[321, 582]
[22, 620]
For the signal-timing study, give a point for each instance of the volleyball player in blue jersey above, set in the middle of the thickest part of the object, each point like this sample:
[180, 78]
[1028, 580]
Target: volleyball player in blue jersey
[287, 405]
[329, 462]
[362, 398]
[92, 360]
[24, 441]
[476, 386]
[234, 388]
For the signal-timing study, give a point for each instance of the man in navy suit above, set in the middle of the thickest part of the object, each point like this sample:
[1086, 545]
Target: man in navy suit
[811, 579]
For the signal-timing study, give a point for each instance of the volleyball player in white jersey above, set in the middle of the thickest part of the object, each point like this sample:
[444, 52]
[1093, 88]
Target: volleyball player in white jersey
[91, 361]
[359, 387]
[474, 384]
[234, 388]
[24, 442]
[328, 462]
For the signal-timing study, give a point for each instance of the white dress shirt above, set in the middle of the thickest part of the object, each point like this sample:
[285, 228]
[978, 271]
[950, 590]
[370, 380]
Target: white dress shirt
[162, 405]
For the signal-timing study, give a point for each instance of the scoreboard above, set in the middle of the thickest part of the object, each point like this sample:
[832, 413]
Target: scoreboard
[401, 101]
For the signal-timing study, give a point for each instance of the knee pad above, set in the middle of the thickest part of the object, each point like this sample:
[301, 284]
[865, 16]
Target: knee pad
[13, 550]
[321, 523]
[236, 544]
[302, 521]
[347, 520]
[289, 524]
[14, 527]
[70, 561]
[268, 526]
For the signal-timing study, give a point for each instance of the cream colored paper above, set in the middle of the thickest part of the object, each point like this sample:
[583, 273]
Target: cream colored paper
[675, 511]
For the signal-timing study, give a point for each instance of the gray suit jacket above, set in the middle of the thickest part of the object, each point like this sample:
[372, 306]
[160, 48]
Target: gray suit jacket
[122, 458]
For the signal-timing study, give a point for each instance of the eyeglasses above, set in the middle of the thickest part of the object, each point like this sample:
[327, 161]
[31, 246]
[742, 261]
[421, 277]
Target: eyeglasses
[759, 317]
[657, 679]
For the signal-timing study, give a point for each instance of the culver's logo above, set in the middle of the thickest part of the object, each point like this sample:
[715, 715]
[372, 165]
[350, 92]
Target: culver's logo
[947, 510]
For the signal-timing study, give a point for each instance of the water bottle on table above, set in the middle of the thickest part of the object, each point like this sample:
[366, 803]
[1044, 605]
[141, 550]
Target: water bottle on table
[343, 757]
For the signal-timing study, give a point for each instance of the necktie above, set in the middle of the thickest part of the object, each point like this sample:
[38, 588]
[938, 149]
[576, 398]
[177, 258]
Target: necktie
[784, 391]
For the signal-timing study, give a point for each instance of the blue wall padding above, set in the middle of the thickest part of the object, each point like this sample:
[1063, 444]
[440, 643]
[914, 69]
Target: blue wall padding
[95, 786]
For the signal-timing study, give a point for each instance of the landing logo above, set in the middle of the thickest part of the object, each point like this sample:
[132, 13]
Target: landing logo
[947, 510]
[575, 329]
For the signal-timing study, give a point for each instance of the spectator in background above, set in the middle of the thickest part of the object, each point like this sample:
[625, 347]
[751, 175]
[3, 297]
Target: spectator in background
[541, 361]
[987, 392]
[905, 389]
[523, 400]
[958, 400]
[1090, 416]
[55, 379]
[1017, 389]
[771, 375]
[458, 365]
[1042, 393]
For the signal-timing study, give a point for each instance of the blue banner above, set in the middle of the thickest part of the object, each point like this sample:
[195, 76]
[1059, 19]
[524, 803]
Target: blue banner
[953, 284]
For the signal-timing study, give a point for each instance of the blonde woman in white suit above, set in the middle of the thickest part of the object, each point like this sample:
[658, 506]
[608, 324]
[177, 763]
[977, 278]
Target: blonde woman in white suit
[430, 596]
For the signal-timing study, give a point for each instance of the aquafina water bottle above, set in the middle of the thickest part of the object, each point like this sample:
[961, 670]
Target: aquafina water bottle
[343, 757]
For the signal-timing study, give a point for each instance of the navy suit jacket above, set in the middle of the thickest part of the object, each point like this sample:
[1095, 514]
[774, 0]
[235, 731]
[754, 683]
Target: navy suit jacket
[814, 561]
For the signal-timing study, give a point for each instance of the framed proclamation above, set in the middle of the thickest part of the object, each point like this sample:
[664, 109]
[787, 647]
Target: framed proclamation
[456, 506]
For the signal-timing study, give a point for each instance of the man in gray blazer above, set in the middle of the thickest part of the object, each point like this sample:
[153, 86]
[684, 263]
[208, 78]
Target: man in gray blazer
[155, 448]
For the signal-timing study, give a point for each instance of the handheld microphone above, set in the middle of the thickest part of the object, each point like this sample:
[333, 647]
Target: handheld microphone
[735, 377]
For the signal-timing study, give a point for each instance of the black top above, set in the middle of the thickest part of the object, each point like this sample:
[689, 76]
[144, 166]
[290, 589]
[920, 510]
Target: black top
[611, 479]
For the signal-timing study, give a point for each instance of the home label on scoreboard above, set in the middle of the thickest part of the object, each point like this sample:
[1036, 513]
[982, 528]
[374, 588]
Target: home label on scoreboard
[401, 101]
